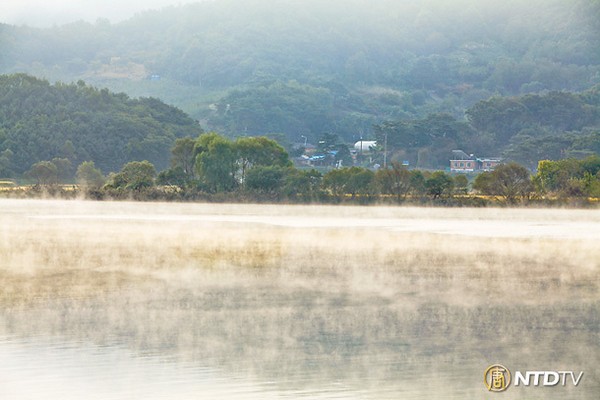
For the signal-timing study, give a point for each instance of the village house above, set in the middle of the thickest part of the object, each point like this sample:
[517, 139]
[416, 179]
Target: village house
[463, 162]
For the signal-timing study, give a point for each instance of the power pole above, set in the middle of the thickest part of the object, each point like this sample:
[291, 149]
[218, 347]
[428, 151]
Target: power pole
[385, 151]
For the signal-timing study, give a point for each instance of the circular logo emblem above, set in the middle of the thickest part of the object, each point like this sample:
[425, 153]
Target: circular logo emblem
[496, 378]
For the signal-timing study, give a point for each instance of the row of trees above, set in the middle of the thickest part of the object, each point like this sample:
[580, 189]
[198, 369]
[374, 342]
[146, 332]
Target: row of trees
[562, 178]
[257, 168]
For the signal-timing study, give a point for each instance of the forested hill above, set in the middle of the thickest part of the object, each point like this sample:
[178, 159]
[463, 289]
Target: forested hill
[524, 129]
[313, 66]
[76, 122]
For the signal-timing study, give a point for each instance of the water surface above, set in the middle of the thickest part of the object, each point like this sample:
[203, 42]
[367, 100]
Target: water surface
[187, 301]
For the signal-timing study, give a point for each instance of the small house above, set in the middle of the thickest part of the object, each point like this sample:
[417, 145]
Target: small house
[462, 165]
[488, 164]
[463, 162]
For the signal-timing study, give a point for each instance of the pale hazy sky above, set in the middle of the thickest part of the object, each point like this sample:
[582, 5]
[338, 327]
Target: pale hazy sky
[43, 13]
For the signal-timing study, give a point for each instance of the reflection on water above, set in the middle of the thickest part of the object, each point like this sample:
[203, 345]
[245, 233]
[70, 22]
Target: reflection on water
[78, 370]
[162, 301]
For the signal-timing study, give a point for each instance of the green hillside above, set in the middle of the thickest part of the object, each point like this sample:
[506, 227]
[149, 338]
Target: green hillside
[76, 122]
[513, 78]
[524, 129]
[309, 67]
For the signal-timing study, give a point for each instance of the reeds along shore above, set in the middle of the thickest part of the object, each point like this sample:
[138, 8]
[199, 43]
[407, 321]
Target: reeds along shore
[176, 194]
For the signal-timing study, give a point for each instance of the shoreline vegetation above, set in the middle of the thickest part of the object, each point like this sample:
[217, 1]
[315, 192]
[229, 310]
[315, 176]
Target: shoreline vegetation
[76, 141]
[213, 168]
[176, 194]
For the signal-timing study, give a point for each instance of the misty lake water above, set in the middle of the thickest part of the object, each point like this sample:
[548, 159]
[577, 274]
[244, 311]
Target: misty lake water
[195, 301]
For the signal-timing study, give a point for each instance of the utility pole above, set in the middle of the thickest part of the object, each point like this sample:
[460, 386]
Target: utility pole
[385, 151]
[361, 140]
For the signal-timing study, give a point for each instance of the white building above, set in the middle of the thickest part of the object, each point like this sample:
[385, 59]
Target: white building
[365, 146]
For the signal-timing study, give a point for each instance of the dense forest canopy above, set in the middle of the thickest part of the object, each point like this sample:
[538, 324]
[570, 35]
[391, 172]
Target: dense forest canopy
[512, 78]
[76, 122]
[524, 129]
[322, 66]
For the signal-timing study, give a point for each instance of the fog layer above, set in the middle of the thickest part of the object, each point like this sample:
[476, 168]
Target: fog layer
[375, 300]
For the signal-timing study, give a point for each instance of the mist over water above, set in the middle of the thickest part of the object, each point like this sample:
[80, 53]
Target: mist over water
[159, 301]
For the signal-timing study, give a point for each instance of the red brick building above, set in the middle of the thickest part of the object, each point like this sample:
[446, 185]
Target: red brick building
[463, 162]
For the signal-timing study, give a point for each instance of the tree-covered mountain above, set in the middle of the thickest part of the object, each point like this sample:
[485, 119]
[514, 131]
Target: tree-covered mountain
[524, 129]
[77, 122]
[309, 67]
[536, 127]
